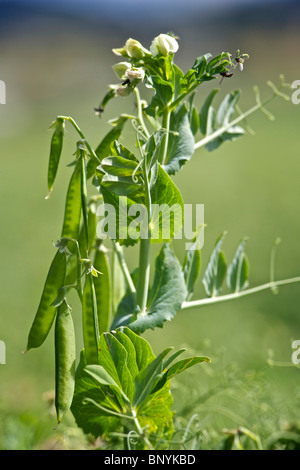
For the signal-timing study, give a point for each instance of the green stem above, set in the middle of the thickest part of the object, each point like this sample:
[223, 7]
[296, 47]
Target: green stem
[166, 127]
[237, 295]
[124, 267]
[223, 129]
[75, 125]
[140, 431]
[140, 112]
[145, 246]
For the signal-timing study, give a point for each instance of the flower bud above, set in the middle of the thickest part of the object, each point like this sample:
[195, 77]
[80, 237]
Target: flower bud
[163, 45]
[120, 69]
[135, 73]
[135, 49]
[123, 91]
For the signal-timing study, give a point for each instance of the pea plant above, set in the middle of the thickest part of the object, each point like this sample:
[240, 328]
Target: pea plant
[119, 387]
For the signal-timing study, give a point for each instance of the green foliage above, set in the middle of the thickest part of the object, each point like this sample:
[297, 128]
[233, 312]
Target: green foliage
[120, 387]
[129, 387]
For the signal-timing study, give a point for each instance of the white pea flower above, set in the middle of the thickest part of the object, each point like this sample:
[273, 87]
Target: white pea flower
[135, 73]
[120, 69]
[135, 49]
[163, 45]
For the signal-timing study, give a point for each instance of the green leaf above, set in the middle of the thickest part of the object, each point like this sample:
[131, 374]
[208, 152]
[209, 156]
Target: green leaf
[162, 96]
[200, 65]
[181, 144]
[88, 417]
[99, 374]
[221, 119]
[146, 380]
[191, 266]
[156, 416]
[119, 218]
[100, 389]
[121, 185]
[227, 107]
[118, 166]
[216, 269]
[103, 149]
[204, 111]
[238, 270]
[118, 150]
[184, 364]
[166, 295]
[167, 207]
[55, 150]
[113, 354]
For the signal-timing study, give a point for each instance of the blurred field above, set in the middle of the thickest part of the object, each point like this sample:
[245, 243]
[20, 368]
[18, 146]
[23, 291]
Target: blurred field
[249, 187]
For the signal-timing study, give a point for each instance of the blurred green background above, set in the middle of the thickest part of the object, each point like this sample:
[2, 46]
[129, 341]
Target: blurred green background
[58, 61]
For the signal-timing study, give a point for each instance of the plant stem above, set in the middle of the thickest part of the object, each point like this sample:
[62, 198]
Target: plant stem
[75, 125]
[124, 267]
[237, 295]
[145, 246]
[140, 431]
[166, 128]
[140, 112]
[223, 129]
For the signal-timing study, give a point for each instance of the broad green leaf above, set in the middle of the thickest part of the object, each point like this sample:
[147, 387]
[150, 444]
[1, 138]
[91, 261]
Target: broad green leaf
[167, 208]
[143, 351]
[119, 166]
[113, 357]
[118, 150]
[167, 293]
[121, 185]
[130, 349]
[146, 380]
[216, 269]
[204, 111]
[155, 413]
[88, 417]
[103, 149]
[181, 140]
[125, 312]
[99, 374]
[238, 270]
[121, 223]
[162, 96]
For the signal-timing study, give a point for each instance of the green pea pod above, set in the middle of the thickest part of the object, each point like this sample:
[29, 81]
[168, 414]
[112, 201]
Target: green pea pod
[90, 321]
[46, 312]
[65, 356]
[71, 225]
[55, 150]
[102, 285]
